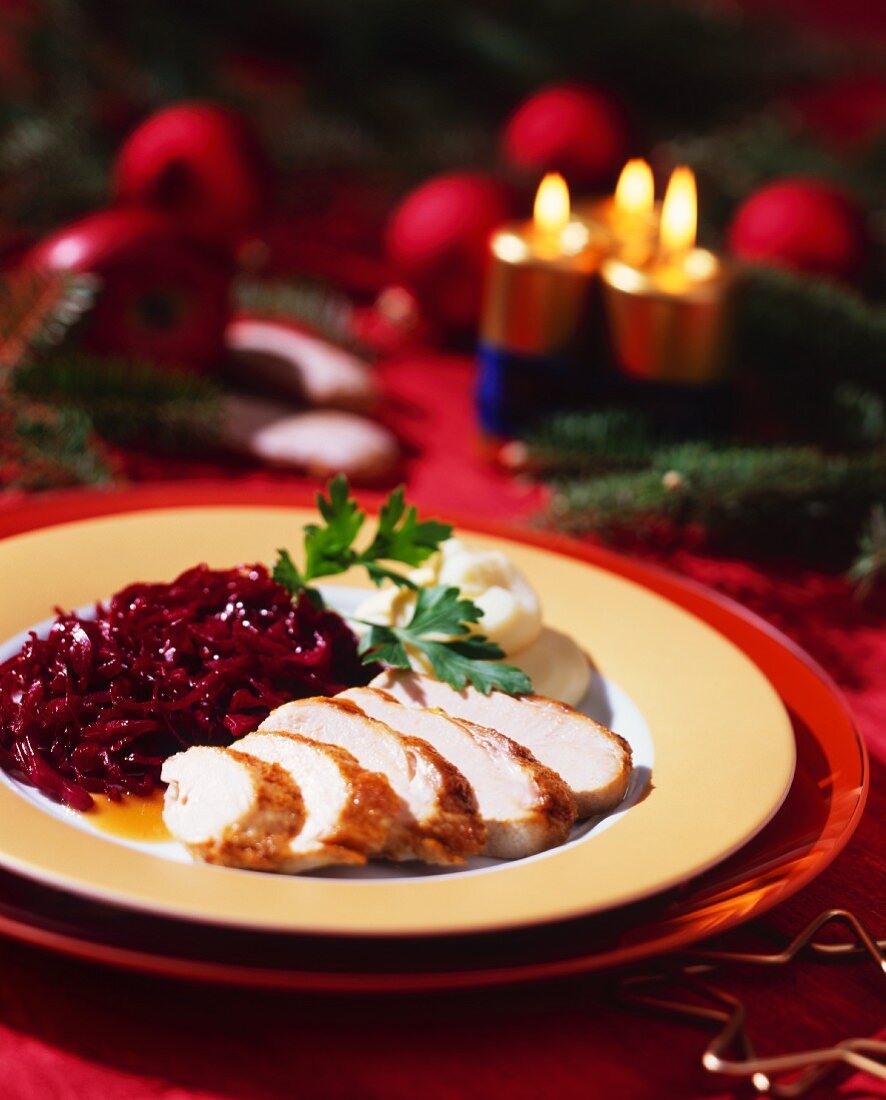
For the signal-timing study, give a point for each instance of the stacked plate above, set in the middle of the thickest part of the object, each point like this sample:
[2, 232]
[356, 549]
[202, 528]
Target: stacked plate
[749, 777]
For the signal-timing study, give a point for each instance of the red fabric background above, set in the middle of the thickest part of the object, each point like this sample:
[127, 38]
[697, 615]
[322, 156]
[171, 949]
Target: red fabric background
[77, 1032]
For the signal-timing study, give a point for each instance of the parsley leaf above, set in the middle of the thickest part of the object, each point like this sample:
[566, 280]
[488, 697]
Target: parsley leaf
[413, 541]
[329, 548]
[440, 626]
[440, 629]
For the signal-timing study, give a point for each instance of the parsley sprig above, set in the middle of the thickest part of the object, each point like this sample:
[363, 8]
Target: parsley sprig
[440, 628]
[441, 622]
[329, 549]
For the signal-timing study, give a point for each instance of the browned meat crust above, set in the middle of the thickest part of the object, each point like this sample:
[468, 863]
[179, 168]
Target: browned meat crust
[372, 810]
[456, 830]
[604, 798]
[553, 815]
[451, 834]
[261, 842]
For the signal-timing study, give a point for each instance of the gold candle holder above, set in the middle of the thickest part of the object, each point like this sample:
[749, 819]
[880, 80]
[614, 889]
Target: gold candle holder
[535, 304]
[536, 308]
[670, 325]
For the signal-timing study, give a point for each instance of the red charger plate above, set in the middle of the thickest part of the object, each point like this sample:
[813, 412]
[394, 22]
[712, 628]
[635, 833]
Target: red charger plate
[815, 822]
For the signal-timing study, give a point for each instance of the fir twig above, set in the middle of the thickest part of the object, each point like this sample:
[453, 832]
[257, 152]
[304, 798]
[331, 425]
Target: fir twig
[591, 442]
[797, 327]
[733, 161]
[326, 311]
[869, 568]
[47, 448]
[128, 402]
[36, 310]
[758, 501]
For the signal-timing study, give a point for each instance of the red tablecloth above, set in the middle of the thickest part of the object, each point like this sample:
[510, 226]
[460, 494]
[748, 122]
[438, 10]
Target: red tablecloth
[69, 1030]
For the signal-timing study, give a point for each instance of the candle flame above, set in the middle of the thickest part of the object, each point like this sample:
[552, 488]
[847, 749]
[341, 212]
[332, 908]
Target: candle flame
[679, 213]
[635, 190]
[551, 213]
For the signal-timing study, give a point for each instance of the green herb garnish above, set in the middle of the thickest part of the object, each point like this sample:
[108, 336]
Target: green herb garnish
[440, 626]
[329, 549]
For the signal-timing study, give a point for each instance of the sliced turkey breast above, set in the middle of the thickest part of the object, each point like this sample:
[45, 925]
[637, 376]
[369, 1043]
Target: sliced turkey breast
[526, 807]
[439, 822]
[593, 761]
[348, 810]
[231, 809]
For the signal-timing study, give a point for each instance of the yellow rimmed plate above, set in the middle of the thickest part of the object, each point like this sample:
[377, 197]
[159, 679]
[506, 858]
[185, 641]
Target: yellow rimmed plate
[717, 739]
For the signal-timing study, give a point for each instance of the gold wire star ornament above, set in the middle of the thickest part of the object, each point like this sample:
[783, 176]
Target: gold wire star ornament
[680, 990]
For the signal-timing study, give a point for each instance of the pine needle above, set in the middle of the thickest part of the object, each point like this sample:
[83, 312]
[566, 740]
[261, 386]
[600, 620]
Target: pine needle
[128, 401]
[36, 310]
[869, 568]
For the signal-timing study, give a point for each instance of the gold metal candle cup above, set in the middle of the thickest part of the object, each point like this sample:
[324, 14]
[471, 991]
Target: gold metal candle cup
[536, 304]
[673, 334]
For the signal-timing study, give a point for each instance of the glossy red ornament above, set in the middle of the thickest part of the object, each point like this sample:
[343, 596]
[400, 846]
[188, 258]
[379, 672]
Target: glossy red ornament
[801, 223]
[200, 164]
[569, 128]
[162, 297]
[437, 242]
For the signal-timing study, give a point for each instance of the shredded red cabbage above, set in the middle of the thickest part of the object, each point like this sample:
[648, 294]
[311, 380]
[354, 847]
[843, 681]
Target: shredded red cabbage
[99, 704]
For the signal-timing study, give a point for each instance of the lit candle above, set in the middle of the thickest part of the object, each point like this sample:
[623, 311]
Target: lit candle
[536, 308]
[629, 218]
[669, 319]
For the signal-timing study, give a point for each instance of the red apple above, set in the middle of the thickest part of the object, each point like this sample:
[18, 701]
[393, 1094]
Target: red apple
[162, 298]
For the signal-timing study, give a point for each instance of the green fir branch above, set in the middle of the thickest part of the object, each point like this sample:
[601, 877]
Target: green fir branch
[594, 442]
[810, 330]
[317, 306]
[48, 448]
[755, 501]
[37, 308]
[128, 401]
[869, 567]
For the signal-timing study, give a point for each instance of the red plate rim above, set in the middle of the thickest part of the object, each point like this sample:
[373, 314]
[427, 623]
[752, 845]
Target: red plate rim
[811, 696]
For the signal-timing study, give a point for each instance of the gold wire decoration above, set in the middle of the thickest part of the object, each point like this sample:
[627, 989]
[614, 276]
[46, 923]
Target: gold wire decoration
[678, 989]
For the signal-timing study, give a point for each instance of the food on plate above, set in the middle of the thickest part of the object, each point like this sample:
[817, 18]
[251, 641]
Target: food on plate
[511, 616]
[525, 807]
[229, 808]
[349, 811]
[100, 702]
[289, 805]
[439, 821]
[251, 700]
[593, 761]
[441, 624]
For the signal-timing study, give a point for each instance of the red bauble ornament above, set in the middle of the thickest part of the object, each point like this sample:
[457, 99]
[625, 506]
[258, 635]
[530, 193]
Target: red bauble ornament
[437, 240]
[568, 128]
[803, 224]
[162, 298]
[200, 164]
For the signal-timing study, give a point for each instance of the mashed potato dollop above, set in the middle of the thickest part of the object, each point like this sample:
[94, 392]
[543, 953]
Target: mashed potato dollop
[512, 616]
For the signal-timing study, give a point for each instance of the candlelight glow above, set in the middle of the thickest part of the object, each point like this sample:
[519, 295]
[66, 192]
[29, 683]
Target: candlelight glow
[679, 213]
[635, 190]
[551, 213]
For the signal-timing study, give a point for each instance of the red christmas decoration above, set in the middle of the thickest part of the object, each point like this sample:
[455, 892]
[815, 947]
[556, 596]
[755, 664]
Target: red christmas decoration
[200, 164]
[162, 298]
[437, 242]
[569, 128]
[800, 223]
